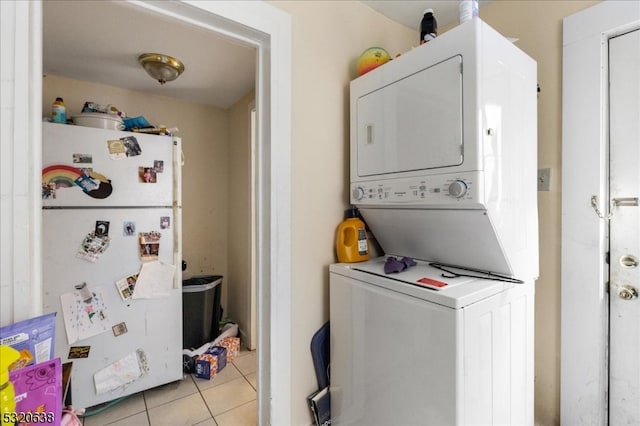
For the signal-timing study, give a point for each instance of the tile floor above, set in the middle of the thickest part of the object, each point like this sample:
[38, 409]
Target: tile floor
[229, 399]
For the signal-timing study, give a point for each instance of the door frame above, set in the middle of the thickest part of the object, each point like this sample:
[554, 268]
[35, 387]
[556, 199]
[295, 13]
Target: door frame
[253, 148]
[268, 30]
[584, 301]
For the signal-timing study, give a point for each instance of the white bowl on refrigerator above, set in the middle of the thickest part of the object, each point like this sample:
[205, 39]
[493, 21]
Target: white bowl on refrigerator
[98, 120]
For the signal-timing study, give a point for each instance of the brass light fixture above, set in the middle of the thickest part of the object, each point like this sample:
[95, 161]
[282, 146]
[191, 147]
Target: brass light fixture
[161, 67]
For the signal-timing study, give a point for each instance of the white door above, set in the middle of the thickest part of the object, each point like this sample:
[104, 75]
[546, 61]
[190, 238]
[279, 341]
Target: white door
[624, 228]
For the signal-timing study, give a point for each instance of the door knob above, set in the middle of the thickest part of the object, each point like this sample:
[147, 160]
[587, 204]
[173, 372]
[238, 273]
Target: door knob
[627, 292]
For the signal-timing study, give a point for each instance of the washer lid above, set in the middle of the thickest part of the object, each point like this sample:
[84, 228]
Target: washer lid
[424, 282]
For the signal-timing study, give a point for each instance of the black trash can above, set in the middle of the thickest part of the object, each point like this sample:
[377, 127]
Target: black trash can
[201, 310]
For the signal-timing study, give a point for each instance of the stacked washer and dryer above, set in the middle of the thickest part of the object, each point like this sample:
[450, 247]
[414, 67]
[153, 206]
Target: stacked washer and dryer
[443, 170]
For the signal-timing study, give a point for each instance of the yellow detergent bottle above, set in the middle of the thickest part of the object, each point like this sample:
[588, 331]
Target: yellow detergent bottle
[8, 356]
[351, 239]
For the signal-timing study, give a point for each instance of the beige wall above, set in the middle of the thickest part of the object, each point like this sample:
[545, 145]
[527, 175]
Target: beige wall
[205, 134]
[238, 279]
[327, 38]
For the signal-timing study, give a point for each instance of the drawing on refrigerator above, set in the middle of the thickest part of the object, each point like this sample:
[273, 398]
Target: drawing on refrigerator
[112, 237]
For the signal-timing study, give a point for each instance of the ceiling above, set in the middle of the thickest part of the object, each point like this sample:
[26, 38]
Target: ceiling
[100, 41]
[409, 13]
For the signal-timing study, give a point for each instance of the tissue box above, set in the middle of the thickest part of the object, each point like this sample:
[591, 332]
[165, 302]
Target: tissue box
[211, 362]
[206, 366]
[221, 355]
[232, 344]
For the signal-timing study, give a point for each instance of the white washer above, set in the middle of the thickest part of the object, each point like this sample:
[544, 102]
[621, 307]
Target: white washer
[403, 354]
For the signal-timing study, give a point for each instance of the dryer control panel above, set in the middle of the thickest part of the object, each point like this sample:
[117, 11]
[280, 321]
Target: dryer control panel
[463, 190]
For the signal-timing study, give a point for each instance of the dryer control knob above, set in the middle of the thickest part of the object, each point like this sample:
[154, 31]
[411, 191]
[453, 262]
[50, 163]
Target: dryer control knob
[358, 193]
[458, 188]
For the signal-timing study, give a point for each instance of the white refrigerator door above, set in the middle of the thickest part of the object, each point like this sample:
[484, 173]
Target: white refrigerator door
[138, 171]
[153, 325]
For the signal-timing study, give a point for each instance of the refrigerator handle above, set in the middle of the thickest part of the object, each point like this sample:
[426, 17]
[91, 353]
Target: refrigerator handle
[178, 161]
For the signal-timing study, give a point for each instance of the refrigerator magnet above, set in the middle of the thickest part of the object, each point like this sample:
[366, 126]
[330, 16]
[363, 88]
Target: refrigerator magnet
[129, 229]
[94, 185]
[48, 191]
[147, 175]
[82, 158]
[126, 285]
[149, 245]
[92, 247]
[119, 329]
[116, 148]
[84, 292]
[77, 352]
[165, 222]
[57, 176]
[102, 228]
[158, 166]
[131, 146]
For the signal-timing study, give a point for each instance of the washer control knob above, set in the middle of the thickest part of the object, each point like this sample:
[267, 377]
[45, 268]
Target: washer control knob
[358, 193]
[458, 188]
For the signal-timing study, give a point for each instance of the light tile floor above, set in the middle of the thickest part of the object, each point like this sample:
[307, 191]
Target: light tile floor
[229, 399]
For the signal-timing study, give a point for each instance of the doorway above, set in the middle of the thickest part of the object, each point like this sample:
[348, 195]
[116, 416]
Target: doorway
[268, 29]
[590, 194]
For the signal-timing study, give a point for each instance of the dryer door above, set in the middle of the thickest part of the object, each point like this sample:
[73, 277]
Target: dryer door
[412, 124]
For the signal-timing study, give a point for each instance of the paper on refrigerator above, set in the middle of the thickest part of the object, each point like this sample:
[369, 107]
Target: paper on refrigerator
[122, 372]
[85, 313]
[154, 280]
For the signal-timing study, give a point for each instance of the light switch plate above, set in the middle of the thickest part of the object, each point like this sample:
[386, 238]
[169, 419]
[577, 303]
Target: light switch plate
[544, 179]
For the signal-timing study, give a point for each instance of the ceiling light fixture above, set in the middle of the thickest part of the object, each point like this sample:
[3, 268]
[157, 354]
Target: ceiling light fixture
[161, 67]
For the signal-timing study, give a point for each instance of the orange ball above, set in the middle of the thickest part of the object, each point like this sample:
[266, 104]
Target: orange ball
[372, 58]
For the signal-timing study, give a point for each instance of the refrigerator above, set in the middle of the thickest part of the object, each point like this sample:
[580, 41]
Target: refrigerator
[111, 258]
